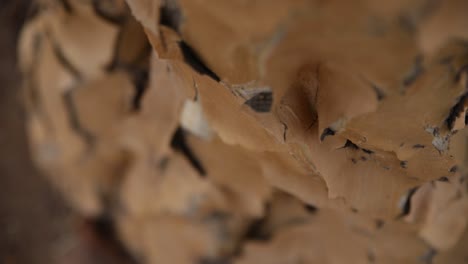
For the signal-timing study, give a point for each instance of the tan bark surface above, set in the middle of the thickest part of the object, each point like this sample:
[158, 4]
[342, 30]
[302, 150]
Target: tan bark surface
[216, 131]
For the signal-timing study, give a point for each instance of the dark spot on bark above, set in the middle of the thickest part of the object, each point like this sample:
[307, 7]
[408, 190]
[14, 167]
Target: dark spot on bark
[354, 210]
[443, 179]
[379, 223]
[310, 208]
[179, 143]
[163, 162]
[370, 256]
[428, 257]
[454, 169]
[66, 6]
[378, 92]
[404, 164]
[418, 146]
[257, 232]
[407, 22]
[363, 158]
[194, 60]
[353, 160]
[261, 102]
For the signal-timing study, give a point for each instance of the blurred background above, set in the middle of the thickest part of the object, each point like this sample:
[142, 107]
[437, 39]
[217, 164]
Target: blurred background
[35, 224]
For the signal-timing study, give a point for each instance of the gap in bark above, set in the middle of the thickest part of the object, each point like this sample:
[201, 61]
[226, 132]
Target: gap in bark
[406, 206]
[415, 72]
[456, 111]
[63, 60]
[74, 120]
[327, 132]
[66, 6]
[194, 60]
[170, 15]
[261, 102]
[103, 235]
[179, 143]
[140, 80]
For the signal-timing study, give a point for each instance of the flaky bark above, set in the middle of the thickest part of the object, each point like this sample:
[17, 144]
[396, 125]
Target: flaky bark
[257, 131]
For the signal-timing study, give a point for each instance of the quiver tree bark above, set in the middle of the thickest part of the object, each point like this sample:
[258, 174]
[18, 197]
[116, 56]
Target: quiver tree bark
[256, 131]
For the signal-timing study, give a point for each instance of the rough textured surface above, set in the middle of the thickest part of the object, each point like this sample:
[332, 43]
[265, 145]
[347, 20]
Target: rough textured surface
[300, 131]
[36, 224]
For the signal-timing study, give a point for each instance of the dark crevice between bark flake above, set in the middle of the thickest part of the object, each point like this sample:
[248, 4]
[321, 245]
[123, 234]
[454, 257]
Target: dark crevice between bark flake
[443, 179]
[66, 6]
[170, 15]
[327, 132]
[140, 81]
[404, 164]
[74, 120]
[378, 92]
[63, 60]
[406, 206]
[456, 111]
[379, 223]
[102, 234]
[453, 169]
[256, 231]
[261, 102]
[194, 60]
[349, 144]
[179, 143]
[415, 72]
[310, 208]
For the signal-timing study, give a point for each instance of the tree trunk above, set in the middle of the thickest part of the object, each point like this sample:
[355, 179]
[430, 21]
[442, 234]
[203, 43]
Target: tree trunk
[262, 131]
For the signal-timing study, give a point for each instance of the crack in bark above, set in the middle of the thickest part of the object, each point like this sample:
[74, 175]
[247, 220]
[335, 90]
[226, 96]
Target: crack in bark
[140, 81]
[74, 120]
[456, 111]
[63, 60]
[415, 72]
[194, 60]
[406, 206]
[179, 143]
